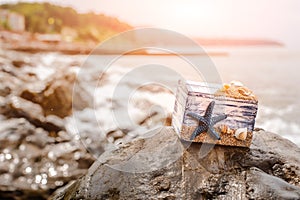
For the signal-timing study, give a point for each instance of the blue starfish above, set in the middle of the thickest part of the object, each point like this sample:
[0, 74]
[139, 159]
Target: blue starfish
[207, 122]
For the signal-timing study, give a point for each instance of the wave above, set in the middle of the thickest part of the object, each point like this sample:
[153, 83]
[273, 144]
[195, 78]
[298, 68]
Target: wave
[286, 129]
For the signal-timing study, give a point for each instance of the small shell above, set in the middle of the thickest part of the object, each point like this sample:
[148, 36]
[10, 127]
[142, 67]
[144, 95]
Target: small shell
[237, 83]
[226, 86]
[241, 134]
[244, 91]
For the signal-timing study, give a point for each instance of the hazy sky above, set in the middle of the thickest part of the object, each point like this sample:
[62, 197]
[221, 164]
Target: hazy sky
[270, 19]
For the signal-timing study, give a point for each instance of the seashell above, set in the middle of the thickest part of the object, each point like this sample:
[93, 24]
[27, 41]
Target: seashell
[237, 83]
[237, 90]
[244, 91]
[226, 86]
[241, 134]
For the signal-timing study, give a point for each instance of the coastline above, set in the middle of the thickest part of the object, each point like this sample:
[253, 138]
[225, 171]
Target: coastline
[85, 49]
[27, 42]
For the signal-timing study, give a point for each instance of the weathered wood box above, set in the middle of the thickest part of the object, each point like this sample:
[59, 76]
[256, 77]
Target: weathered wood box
[233, 100]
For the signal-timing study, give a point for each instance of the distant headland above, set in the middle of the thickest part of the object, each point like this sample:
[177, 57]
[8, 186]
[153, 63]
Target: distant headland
[236, 42]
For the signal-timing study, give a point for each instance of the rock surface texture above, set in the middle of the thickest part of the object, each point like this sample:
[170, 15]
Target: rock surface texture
[162, 167]
[37, 153]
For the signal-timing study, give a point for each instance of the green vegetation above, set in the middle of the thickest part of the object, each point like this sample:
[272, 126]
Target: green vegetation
[4, 24]
[48, 18]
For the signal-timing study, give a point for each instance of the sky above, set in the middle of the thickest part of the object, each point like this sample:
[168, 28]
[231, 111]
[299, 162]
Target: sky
[264, 19]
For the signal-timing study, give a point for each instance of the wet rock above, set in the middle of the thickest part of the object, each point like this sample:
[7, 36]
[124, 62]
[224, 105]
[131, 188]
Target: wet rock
[54, 123]
[4, 90]
[56, 97]
[47, 80]
[33, 163]
[8, 84]
[20, 63]
[162, 167]
[37, 153]
[13, 131]
[17, 107]
[16, 73]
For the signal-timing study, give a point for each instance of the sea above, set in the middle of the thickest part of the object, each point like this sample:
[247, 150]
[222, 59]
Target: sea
[272, 73]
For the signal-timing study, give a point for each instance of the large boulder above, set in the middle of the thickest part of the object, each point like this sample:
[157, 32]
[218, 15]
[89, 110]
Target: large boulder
[164, 167]
[56, 97]
[17, 107]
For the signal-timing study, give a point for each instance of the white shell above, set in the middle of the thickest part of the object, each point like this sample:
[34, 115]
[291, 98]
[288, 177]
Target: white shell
[237, 83]
[241, 134]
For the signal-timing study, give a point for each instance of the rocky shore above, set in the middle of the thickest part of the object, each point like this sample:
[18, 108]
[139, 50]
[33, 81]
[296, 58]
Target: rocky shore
[26, 42]
[41, 147]
[49, 142]
[37, 153]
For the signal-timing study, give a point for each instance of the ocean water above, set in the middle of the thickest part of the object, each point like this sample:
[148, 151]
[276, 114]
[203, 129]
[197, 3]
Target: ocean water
[271, 73]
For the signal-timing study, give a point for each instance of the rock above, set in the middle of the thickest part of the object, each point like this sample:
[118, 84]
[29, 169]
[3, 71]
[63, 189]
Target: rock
[47, 80]
[37, 153]
[4, 90]
[261, 186]
[17, 107]
[20, 63]
[8, 83]
[163, 167]
[13, 131]
[56, 97]
[33, 163]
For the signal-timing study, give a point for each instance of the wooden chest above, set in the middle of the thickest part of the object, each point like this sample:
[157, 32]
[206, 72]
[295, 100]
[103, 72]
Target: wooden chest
[233, 104]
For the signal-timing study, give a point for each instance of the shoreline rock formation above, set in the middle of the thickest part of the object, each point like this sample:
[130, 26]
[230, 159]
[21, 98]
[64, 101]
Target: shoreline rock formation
[37, 153]
[42, 146]
[269, 169]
